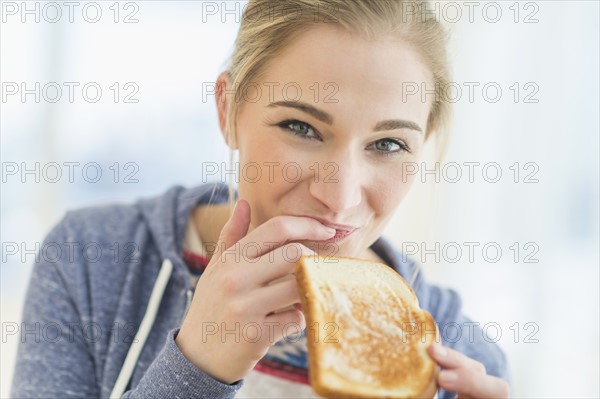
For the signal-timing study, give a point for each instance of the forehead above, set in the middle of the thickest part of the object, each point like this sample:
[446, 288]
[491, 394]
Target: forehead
[370, 75]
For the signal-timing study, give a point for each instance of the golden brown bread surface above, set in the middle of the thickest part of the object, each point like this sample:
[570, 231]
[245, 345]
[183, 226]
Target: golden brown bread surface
[366, 335]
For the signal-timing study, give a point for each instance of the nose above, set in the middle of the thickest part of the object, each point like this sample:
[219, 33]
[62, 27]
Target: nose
[338, 183]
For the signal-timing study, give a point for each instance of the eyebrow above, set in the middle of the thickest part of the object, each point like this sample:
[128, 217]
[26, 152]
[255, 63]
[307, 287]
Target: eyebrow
[307, 108]
[390, 124]
[393, 124]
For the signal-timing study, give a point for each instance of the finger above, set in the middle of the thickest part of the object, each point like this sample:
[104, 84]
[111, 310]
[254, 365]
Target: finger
[276, 297]
[286, 324]
[472, 385]
[278, 263]
[451, 359]
[281, 230]
[236, 227]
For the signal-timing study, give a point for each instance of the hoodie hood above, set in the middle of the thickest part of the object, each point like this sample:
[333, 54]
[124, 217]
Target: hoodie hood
[167, 216]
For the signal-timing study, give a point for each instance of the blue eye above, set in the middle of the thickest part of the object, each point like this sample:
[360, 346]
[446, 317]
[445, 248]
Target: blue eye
[390, 146]
[299, 128]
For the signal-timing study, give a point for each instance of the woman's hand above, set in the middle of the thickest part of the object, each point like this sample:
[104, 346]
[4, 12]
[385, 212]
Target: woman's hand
[230, 324]
[466, 376]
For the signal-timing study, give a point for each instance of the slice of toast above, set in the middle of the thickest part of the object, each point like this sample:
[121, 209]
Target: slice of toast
[366, 335]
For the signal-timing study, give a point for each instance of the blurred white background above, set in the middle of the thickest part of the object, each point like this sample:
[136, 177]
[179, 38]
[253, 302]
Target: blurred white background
[549, 49]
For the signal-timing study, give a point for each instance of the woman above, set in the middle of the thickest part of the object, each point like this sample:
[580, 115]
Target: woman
[313, 101]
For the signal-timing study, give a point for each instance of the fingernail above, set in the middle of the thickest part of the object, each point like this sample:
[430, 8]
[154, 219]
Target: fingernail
[439, 350]
[448, 376]
[329, 230]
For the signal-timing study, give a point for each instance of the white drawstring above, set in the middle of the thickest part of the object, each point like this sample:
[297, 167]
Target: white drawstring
[142, 335]
[413, 279]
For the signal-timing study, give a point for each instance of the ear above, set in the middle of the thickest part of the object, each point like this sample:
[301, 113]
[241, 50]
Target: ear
[222, 89]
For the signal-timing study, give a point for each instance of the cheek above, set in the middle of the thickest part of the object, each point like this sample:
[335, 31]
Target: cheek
[260, 145]
[261, 174]
[391, 187]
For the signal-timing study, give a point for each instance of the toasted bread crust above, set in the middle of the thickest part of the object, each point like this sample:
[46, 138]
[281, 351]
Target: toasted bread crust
[374, 360]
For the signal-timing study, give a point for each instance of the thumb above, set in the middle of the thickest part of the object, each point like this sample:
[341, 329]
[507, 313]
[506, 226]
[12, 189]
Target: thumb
[236, 227]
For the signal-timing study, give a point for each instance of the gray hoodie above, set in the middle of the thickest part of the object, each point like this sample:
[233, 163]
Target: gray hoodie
[110, 289]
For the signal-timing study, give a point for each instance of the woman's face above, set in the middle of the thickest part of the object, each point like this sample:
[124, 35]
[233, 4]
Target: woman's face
[326, 131]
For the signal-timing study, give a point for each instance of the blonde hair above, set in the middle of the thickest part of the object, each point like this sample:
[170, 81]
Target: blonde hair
[268, 26]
